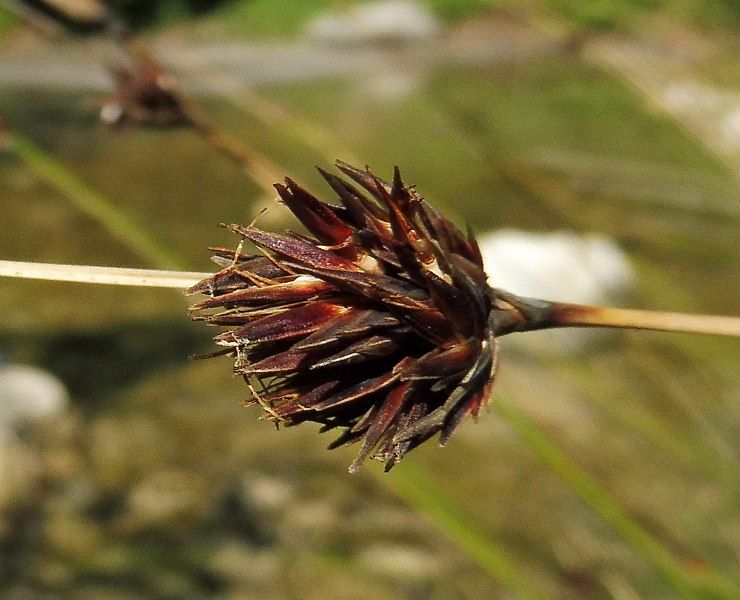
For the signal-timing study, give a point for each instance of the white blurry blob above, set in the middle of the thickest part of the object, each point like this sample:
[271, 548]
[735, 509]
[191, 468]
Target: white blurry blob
[401, 563]
[691, 95]
[731, 126]
[716, 108]
[561, 266]
[392, 85]
[28, 394]
[387, 20]
[556, 266]
[111, 113]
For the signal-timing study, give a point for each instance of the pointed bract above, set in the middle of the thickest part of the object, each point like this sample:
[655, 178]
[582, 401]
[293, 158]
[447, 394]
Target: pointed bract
[381, 324]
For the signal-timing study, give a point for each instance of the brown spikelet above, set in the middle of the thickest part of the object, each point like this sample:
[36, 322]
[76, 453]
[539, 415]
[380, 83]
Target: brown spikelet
[381, 323]
[145, 95]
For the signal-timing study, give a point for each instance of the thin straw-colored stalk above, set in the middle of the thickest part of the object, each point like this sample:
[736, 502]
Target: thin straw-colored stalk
[708, 584]
[100, 275]
[559, 314]
[577, 315]
[91, 202]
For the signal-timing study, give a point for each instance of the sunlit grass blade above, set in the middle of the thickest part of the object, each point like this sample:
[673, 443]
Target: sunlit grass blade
[690, 585]
[410, 484]
[597, 383]
[683, 396]
[91, 202]
[279, 117]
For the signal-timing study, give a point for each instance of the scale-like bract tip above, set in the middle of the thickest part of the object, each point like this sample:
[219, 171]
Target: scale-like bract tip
[379, 322]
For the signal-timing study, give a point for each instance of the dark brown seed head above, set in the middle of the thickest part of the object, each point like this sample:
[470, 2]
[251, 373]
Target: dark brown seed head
[381, 322]
[145, 95]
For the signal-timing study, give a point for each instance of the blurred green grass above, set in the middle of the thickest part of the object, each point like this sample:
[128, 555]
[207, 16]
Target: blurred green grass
[648, 417]
[266, 19]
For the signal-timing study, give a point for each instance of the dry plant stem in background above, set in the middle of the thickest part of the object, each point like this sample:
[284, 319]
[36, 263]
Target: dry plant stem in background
[258, 168]
[36, 19]
[148, 95]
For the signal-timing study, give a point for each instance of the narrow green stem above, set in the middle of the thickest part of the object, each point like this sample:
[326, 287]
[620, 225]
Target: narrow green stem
[691, 585]
[91, 202]
[410, 484]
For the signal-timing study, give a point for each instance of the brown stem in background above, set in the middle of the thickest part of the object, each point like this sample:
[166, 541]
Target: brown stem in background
[149, 80]
[258, 168]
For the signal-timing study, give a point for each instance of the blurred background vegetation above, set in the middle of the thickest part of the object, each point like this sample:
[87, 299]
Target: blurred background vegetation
[607, 467]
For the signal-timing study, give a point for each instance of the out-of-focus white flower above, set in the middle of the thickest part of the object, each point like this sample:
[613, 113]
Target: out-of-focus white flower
[556, 266]
[561, 266]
